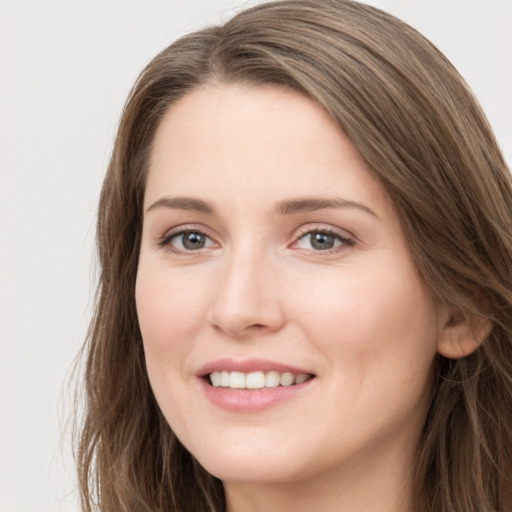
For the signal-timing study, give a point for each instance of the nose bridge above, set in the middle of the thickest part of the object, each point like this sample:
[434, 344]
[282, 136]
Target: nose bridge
[246, 298]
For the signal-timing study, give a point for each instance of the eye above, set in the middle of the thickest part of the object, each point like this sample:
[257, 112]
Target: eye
[322, 240]
[186, 241]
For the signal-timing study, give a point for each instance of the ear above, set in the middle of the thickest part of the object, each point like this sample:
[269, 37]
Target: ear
[462, 335]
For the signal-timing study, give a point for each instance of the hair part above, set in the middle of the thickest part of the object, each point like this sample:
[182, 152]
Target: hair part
[418, 126]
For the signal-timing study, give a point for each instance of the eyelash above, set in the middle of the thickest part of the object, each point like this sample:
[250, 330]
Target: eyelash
[166, 240]
[345, 241]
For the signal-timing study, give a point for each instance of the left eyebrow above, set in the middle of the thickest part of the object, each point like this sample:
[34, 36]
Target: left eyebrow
[182, 203]
[311, 204]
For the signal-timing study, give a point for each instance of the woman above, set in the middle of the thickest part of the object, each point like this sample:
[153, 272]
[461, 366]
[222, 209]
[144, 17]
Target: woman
[305, 237]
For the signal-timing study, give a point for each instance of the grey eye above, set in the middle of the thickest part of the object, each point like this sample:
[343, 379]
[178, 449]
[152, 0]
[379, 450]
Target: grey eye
[186, 241]
[192, 241]
[320, 241]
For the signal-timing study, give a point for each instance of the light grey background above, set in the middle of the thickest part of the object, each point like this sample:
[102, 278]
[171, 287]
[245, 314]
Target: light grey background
[65, 69]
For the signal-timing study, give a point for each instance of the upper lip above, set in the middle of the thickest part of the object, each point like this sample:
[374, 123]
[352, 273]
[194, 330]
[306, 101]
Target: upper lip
[248, 366]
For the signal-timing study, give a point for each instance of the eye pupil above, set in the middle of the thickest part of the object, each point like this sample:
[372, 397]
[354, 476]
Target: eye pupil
[322, 241]
[193, 241]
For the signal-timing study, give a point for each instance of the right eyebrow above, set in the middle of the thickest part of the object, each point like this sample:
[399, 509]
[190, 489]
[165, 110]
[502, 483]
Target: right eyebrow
[312, 204]
[182, 203]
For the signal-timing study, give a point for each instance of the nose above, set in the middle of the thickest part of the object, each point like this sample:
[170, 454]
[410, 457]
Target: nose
[247, 297]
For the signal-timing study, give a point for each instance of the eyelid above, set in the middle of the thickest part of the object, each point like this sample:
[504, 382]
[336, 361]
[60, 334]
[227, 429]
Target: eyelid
[164, 241]
[321, 227]
[345, 236]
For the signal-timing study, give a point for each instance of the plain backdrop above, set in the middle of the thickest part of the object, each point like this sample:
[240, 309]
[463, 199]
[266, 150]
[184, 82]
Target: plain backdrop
[65, 69]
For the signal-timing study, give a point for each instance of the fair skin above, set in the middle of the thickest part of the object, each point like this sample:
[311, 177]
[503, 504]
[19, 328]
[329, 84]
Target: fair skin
[237, 277]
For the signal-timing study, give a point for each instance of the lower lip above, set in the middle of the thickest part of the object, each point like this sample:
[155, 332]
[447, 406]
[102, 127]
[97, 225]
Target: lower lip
[247, 400]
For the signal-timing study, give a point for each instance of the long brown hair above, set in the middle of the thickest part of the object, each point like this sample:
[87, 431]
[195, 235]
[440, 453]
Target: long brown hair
[418, 126]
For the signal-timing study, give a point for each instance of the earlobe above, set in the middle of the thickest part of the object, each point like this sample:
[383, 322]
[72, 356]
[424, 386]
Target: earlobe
[461, 335]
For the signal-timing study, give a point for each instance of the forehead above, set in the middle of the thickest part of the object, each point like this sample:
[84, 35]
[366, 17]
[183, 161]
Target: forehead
[235, 140]
[223, 118]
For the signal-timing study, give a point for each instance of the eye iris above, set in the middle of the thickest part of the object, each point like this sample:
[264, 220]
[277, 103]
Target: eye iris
[193, 241]
[322, 241]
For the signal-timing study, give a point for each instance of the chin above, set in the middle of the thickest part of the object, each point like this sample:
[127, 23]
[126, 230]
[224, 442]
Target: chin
[258, 470]
[252, 462]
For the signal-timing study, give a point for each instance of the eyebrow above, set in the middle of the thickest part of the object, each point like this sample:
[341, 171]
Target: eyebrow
[285, 207]
[182, 203]
[291, 206]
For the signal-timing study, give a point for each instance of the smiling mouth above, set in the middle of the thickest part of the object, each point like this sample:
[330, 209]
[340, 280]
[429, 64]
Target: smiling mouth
[256, 380]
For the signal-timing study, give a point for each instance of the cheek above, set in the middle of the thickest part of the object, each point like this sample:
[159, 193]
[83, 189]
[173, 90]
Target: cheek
[168, 308]
[373, 324]
[378, 336]
[170, 312]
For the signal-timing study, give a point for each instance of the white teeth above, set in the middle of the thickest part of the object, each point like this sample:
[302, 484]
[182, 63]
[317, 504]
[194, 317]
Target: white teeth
[215, 379]
[224, 379]
[301, 378]
[272, 380]
[237, 380]
[287, 379]
[256, 380]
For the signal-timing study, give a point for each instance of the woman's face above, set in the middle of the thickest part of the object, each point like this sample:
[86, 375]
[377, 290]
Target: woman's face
[272, 263]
